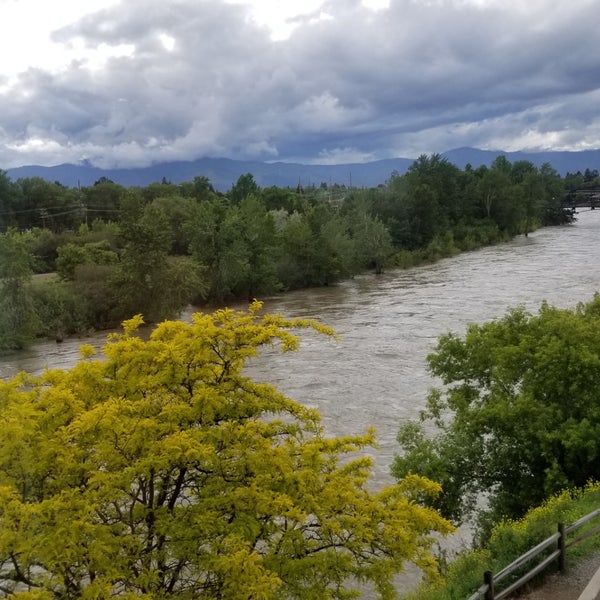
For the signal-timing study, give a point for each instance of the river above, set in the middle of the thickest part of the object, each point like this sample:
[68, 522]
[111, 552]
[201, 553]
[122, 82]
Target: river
[375, 375]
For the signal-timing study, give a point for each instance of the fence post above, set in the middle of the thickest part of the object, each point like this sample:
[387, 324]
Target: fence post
[562, 546]
[488, 579]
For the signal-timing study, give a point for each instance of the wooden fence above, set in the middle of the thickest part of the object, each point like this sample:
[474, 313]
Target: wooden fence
[557, 556]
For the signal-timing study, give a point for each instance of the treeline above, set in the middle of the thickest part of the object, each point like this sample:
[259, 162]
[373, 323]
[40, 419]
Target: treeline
[118, 251]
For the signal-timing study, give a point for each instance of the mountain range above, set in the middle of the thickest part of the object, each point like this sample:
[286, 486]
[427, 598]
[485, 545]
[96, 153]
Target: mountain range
[224, 172]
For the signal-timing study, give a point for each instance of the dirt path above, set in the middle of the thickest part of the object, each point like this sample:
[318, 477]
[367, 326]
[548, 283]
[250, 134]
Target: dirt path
[567, 586]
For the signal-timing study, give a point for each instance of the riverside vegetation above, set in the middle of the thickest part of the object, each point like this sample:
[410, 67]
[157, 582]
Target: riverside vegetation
[162, 471]
[518, 423]
[118, 251]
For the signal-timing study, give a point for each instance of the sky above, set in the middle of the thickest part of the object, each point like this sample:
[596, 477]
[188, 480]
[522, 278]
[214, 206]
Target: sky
[129, 83]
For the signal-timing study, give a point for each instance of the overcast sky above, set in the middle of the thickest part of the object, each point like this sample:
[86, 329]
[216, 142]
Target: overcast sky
[124, 83]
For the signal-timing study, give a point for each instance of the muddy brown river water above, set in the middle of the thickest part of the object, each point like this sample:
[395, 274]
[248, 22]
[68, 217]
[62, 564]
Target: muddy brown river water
[375, 375]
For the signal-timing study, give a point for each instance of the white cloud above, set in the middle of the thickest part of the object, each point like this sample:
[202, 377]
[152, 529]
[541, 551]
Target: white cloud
[134, 81]
[334, 156]
[280, 18]
[26, 32]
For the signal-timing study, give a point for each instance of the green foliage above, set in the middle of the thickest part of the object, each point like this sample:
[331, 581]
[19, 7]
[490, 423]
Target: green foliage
[163, 471]
[373, 243]
[257, 248]
[146, 277]
[512, 538]
[519, 416]
[237, 246]
[59, 309]
[252, 242]
[9, 202]
[48, 205]
[178, 212]
[244, 187]
[99, 297]
[18, 321]
[71, 256]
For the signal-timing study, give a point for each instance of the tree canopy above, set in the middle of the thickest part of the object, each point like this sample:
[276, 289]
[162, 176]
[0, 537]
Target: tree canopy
[162, 470]
[155, 249]
[519, 414]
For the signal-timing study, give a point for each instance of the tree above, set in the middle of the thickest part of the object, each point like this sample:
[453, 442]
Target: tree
[441, 176]
[49, 205]
[259, 246]
[200, 189]
[9, 202]
[215, 243]
[147, 277]
[532, 193]
[296, 268]
[179, 211]
[70, 256]
[553, 186]
[18, 321]
[164, 471]
[245, 186]
[519, 415]
[103, 199]
[373, 241]
[492, 189]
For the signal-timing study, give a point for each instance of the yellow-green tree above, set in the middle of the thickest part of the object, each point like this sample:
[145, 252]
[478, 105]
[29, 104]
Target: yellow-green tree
[163, 471]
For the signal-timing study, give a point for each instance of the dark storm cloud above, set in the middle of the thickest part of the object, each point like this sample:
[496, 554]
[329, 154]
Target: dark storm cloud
[349, 84]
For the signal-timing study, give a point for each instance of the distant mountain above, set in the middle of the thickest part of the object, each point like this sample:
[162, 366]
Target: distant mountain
[224, 172]
[563, 162]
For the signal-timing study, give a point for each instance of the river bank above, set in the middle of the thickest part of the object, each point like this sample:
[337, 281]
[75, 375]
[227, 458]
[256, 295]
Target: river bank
[376, 375]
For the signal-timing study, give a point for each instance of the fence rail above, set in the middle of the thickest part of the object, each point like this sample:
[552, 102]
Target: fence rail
[558, 540]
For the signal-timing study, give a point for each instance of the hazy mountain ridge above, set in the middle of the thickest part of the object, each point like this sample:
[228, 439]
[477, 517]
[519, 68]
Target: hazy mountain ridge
[224, 172]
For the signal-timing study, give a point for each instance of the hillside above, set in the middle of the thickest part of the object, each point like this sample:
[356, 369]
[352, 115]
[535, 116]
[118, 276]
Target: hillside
[223, 172]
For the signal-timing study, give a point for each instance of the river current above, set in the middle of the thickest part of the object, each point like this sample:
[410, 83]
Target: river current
[376, 375]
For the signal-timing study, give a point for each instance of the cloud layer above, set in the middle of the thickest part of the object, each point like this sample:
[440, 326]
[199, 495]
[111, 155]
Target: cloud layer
[160, 81]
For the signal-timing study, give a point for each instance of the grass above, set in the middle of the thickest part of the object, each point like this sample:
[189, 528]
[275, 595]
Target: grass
[510, 539]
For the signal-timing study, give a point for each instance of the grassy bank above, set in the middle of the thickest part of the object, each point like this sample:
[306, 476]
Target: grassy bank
[463, 576]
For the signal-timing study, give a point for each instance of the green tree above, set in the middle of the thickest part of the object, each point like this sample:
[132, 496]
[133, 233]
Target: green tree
[553, 212]
[200, 189]
[373, 241]
[260, 248]
[103, 200]
[9, 202]
[316, 248]
[519, 415]
[148, 278]
[492, 189]
[215, 242]
[48, 205]
[245, 186]
[18, 321]
[441, 176]
[70, 256]
[276, 198]
[178, 211]
[296, 265]
[532, 193]
[164, 471]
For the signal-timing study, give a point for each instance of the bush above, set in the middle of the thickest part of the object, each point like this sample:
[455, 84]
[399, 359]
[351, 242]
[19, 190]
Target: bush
[59, 310]
[511, 539]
